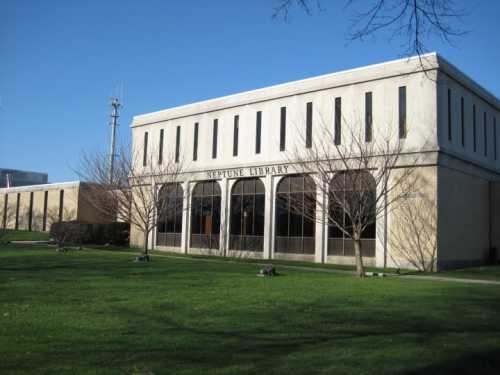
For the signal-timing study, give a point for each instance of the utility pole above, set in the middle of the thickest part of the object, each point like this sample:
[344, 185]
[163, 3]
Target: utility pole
[115, 106]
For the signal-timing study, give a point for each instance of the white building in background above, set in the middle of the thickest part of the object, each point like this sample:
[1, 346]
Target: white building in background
[236, 153]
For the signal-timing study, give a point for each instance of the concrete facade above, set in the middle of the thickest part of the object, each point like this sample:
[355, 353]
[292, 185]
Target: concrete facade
[458, 156]
[37, 207]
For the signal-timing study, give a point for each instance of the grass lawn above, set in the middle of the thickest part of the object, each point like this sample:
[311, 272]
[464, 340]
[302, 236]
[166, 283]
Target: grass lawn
[25, 235]
[97, 312]
[484, 272]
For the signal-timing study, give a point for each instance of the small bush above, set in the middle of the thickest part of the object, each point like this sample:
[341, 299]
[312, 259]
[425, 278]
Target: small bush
[78, 232]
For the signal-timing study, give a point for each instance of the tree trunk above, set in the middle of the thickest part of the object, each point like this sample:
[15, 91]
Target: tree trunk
[145, 249]
[360, 270]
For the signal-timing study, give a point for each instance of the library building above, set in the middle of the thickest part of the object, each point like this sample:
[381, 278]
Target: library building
[237, 154]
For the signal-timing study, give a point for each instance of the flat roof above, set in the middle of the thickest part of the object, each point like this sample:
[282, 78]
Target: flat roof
[394, 68]
[51, 186]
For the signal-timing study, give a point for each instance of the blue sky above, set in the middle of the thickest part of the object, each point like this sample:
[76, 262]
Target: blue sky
[60, 61]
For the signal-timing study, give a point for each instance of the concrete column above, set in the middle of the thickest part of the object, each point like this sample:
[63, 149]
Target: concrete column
[268, 216]
[224, 217]
[186, 216]
[320, 238]
[381, 226]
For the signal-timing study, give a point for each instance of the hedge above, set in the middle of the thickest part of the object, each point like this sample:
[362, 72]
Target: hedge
[79, 232]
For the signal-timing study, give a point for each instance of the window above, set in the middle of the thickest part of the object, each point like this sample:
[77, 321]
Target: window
[462, 120]
[338, 121]
[236, 134]
[145, 150]
[368, 117]
[495, 137]
[309, 124]
[177, 143]
[485, 135]
[449, 114]
[205, 215]
[160, 153]
[5, 208]
[61, 204]
[282, 128]
[258, 132]
[247, 215]
[295, 215]
[45, 202]
[18, 202]
[30, 212]
[402, 112]
[195, 144]
[349, 189]
[474, 127]
[170, 215]
[214, 139]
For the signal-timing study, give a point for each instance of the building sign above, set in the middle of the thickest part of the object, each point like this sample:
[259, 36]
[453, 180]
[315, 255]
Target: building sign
[247, 172]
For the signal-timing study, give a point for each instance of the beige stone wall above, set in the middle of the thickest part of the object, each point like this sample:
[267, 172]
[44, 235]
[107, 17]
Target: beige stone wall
[463, 234]
[11, 209]
[136, 237]
[415, 214]
[38, 204]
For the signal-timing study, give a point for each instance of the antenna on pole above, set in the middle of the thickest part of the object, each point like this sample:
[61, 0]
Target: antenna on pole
[115, 106]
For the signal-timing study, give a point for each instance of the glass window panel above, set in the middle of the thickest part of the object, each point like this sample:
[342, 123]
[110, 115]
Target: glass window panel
[216, 215]
[196, 215]
[235, 214]
[259, 187]
[215, 188]
[284, 185]
[248, 201]
[282, 215]
[259, 215]
[296, 215]
[296, 183]
[238, 187]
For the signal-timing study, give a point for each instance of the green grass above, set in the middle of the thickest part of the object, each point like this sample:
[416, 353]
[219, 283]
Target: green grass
[491, 272]
[25, 235]
[97, 312]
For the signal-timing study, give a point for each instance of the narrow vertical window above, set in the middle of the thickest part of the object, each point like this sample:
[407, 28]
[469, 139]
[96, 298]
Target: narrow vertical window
[160, 153]
[368, 117]
[30, 212]
[338, 121]
[195, 142]
[485, 135]
[258, 132]
[309, 124]
[145, 150]
[449, 114]
[45, 202]
[214, 138]
[474, 127]
[282, 128]
[236, 130]
[402, 112]
[177, 143]
[5, 207]
[495, 137]
[17, 211]
[462, 120]
[61, 204]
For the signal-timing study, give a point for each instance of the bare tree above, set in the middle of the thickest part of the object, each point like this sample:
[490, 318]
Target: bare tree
[412, 20]
[413, 239]
[133, 193]
[360, 180]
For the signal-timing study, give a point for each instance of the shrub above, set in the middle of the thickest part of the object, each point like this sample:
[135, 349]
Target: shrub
[78, 232]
